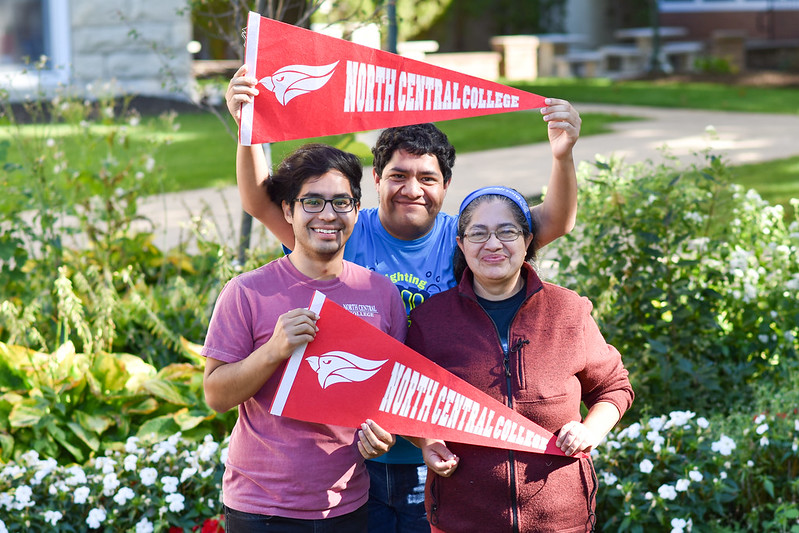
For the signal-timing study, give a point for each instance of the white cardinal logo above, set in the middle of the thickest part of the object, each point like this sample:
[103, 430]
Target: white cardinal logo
[293, 80]
[343, 367]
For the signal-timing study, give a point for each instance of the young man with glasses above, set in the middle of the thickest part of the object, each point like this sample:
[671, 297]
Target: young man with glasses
[284, 475]
[408, 239]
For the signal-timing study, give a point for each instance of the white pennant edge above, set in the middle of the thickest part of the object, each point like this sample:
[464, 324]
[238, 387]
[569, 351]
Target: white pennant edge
[251, 60]
[293, 365]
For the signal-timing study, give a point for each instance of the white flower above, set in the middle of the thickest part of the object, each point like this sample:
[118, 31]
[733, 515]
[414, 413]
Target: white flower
[678, 525]
[207, 449]
[657, 423]
[764, 441]
[187, 473]
[702, 422]
[762, 338]
[95, 518]
[762, 428]
[52, 517]
[667, 492]
[130, 445]
[144, 526]
[646, 466]
[695, 475]
[123, 495]
[170, 483]
[105, 464]
[724, 445]
[682, 485]
[223, 455]
[23, 496]
[750, 463]
[632, 432]
[76, 476]
[175, 502]
[648, 496]
[723, 475]
[679, 418]
[110, 484]
[3, 528]
[796, 425]
[655, 437]
[81, 494]
[130, 463]
[609, 478]
[148, 476]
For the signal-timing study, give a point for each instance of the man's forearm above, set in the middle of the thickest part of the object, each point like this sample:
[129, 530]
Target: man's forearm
[251, 174]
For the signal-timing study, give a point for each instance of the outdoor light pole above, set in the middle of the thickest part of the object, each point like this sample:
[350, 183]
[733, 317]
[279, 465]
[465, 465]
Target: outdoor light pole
[391, 11]
[654, 16]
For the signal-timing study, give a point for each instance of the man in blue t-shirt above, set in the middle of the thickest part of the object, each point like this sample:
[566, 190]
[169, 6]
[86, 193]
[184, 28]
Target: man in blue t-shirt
[410, 240]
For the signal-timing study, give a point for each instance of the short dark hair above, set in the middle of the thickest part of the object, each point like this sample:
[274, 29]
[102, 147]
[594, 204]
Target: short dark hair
[465, 218]
[417, 139]
[310, 161]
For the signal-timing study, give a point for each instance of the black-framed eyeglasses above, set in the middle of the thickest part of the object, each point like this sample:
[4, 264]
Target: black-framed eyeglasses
[316, 204]
[478, 235]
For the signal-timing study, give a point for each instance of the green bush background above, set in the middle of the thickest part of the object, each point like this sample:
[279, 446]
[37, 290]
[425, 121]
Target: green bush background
[693, 278]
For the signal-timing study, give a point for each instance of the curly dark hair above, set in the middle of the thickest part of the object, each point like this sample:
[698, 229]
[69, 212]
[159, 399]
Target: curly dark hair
[417, 139]
[310, 161]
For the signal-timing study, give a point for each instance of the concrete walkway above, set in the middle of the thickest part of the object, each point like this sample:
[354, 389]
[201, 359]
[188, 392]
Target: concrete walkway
[738, 137]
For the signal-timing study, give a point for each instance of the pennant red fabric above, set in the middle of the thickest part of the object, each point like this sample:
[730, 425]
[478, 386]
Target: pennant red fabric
[312, 85]
[353, 371]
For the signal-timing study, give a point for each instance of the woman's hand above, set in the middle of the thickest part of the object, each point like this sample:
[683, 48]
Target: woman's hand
[438, 457]
[575, 437]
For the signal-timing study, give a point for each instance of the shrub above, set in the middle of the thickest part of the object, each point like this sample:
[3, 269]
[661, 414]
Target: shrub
[70, 406]
[694, 280]
[721, 473]
[77, 263]
[144, 485]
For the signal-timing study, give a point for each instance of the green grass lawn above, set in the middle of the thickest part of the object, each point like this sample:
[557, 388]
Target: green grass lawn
[710, 96]
[203, 154]
[202, 151]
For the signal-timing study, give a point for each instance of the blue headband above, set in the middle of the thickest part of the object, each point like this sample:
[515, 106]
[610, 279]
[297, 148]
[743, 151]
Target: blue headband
[517, 198]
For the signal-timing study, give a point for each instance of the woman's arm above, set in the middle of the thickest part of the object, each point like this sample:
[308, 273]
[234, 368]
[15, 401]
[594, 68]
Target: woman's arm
[556, 215]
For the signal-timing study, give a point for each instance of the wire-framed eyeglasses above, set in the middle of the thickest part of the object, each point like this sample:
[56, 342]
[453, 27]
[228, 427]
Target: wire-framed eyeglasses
[480, 235]
[316, 204]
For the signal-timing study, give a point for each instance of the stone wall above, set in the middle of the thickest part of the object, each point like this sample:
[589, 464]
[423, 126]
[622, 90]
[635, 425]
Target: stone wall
[137, 45]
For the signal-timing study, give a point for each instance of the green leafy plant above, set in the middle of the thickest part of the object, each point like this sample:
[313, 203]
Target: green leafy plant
[145, 484]
[684, 472]
[70, 406]
[693, 279]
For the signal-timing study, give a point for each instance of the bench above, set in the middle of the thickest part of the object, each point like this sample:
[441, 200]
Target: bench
[582, 64]
[681, 55]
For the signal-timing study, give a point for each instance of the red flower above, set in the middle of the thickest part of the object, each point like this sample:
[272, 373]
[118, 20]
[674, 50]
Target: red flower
[175, 529]
[212, 525]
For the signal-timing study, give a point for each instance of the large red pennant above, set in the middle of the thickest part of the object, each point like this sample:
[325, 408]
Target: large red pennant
[353, 371]
[313, 85]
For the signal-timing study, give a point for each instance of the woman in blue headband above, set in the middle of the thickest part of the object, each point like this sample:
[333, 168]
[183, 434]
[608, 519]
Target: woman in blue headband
[533, 346]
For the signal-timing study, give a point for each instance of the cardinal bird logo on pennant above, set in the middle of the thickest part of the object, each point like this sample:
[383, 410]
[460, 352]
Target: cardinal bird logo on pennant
[292, 81]
[343, 367]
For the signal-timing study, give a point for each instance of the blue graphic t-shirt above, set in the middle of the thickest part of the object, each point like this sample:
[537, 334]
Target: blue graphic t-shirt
[418, 268]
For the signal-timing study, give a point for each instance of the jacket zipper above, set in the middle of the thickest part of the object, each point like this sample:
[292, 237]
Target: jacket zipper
[511, 458]
[506, 364]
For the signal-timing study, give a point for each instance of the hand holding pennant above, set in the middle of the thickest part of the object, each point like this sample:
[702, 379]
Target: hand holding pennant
[312, 85]
[353, 371]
